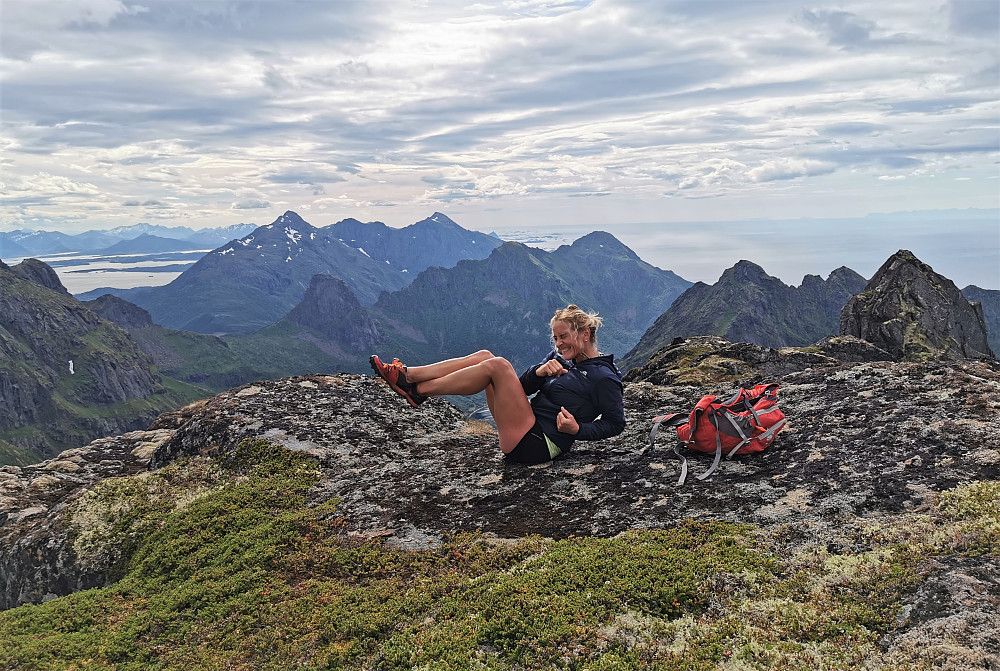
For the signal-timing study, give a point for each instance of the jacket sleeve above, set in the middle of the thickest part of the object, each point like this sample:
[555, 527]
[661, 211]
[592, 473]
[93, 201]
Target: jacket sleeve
[530, 382]
[611, 403]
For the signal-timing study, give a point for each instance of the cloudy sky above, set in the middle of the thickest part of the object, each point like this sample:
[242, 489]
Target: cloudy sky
[527, 113]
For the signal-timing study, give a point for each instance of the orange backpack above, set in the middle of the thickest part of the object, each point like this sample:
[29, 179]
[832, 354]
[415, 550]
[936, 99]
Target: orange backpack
[748, 422]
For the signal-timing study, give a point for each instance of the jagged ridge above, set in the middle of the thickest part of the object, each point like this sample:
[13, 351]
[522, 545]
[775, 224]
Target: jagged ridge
[748, 305]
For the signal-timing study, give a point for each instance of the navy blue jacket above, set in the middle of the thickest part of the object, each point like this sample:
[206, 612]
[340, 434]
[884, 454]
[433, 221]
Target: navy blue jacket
[587, 390]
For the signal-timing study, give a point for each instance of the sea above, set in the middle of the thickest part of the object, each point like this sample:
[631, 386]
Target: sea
[81, 273]
[964, 246]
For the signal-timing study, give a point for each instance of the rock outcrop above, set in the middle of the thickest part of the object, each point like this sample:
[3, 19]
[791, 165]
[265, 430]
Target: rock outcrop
[41, 273]
[40, 558]
[916, 314]
[702, 360]
[866, 440]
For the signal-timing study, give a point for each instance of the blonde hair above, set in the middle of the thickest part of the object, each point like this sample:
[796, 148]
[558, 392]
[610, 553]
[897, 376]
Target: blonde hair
[578, 320]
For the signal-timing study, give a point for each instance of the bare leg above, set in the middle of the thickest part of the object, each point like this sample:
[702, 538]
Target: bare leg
[440, 369]
[504, 394]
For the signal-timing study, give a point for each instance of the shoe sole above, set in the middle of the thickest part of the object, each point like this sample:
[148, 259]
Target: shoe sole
[371, 360]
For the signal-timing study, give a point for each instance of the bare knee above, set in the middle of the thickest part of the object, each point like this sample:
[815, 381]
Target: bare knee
[497, 365]
[483, 355]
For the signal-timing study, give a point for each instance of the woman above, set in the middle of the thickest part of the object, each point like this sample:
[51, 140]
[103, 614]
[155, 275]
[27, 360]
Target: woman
[579, 391]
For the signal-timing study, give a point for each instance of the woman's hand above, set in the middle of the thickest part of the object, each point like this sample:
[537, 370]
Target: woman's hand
[566, 423]
[550, 368]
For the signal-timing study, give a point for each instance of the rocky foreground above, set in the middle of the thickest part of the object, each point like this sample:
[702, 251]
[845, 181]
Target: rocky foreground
[870, 443]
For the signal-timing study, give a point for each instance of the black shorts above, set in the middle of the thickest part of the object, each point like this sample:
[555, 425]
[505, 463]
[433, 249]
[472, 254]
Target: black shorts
[532, 449]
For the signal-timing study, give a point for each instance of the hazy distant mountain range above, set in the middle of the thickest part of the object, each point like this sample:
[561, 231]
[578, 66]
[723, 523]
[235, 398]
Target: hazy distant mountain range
[502, 303]
[17, 244]
[254, 281]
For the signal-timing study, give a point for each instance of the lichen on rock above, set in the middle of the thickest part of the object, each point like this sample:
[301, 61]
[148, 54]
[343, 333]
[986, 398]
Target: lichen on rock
[875, 457]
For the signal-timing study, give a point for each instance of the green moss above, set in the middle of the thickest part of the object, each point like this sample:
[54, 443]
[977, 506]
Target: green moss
[109, 521]
[811, 349]
[973, 511]
[232, 567]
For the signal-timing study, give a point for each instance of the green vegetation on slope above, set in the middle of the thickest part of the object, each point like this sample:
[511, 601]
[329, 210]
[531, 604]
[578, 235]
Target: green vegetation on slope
[224, 565]
[195, 358]
[70, 376]
[16, 456]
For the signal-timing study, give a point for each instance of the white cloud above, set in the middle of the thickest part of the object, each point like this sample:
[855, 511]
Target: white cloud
[213, 107]
[44, 185]
[713, 172]
[789, 168]
[251, 204]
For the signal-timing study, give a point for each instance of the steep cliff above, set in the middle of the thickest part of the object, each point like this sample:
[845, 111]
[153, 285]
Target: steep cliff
[194, 358]
[989, 299]
[330, 308]
[39, 272]
[916, 314]
[66, 375]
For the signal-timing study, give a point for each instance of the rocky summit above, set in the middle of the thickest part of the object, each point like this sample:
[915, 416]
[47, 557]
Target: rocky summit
[331, 308]
[870, 444]
[915, 313]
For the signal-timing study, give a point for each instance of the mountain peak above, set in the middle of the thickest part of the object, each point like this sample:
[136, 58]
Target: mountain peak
[602, 239]
[749, 306]
[747, 271]
[290, 218]
[127, 315]
[916, 314]
[330, 307]
[41, 273]
[904, 258]
[844, 272]
[439, 219]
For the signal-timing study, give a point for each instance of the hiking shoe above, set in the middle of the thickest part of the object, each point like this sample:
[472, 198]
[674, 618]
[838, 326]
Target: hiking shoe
[395, 374]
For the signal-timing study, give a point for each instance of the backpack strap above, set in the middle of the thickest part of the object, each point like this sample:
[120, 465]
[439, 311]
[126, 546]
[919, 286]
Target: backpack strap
[773, 430]
[768, 392]
[671, 420]
[715, 464]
